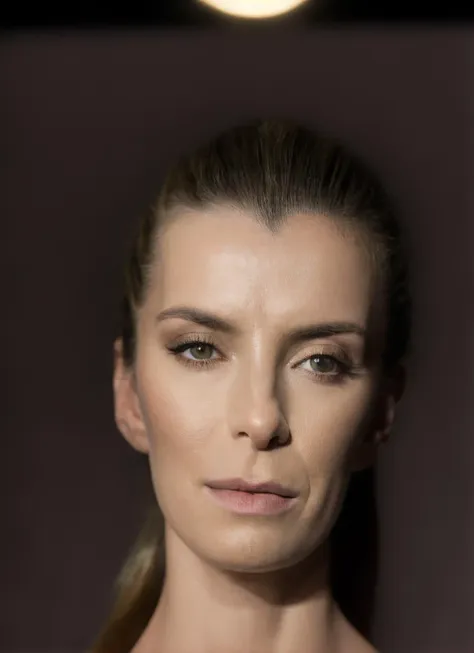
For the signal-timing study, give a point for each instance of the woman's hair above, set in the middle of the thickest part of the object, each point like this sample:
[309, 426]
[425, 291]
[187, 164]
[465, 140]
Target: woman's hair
[272, 170]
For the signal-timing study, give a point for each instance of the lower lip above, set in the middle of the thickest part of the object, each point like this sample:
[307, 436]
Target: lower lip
[252, 503]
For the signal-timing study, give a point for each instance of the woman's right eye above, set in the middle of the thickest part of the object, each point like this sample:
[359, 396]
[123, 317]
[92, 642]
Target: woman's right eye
[198, 353]
[199, 350]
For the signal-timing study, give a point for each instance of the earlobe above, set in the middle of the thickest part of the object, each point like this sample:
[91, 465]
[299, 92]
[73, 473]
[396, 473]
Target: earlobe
[128, 418]
[391, 395]
[381, 437]
[365, 455]
[379, 432]
[134, 433]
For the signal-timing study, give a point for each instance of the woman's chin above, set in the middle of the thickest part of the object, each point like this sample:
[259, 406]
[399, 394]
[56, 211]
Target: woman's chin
[255, 555]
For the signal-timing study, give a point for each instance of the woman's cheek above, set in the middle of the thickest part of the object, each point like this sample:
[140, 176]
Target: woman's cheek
[327, 429]
[179, 420]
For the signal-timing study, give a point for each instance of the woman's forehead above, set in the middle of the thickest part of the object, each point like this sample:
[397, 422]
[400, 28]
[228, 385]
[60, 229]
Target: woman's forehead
[227, 260]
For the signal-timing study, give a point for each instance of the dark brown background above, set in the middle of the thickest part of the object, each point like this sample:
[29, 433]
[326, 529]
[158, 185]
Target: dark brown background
[88, 124]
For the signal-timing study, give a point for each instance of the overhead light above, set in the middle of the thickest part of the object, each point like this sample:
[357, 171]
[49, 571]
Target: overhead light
[254, 8]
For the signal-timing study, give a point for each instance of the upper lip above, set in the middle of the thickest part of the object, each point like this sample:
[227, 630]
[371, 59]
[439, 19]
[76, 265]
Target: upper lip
[269, 487]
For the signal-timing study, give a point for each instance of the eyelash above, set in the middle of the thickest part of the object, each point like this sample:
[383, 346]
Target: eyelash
[346, 369]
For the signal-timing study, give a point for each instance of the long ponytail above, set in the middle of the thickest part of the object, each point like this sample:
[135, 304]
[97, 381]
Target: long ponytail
[137, 591]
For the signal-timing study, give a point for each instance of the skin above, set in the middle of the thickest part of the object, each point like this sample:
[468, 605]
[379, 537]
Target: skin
[264, 409]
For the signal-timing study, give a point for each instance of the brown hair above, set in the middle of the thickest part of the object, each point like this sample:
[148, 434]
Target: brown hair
[270, 169]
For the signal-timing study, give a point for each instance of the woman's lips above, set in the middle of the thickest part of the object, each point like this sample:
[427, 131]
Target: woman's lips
[271, 487]
[251, 503]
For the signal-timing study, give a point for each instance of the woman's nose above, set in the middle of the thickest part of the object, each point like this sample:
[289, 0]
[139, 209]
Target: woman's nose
[257, 414]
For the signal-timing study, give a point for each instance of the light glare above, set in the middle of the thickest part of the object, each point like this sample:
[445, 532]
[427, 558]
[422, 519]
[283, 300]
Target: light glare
[254, 8]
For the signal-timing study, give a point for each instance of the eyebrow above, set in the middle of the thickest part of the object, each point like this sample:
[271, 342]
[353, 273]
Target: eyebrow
[299, 334]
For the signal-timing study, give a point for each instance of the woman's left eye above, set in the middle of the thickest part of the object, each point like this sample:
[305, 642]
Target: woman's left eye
[323, 364]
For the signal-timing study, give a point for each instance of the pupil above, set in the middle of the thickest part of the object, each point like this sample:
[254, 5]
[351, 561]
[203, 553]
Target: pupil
[201, 350]
[321, 364]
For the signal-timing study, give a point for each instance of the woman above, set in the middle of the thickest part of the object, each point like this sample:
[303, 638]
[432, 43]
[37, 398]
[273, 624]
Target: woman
[265, 329]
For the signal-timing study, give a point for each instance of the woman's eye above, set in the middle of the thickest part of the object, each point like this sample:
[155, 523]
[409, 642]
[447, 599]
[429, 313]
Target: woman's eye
[322, 364]
[201, 351]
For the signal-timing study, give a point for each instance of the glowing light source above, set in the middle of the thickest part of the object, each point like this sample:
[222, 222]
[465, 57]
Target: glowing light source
[254, 8]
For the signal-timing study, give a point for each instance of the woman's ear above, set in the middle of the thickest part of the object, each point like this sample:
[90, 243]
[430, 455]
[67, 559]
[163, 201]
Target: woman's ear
[393, 388]
[128, 416]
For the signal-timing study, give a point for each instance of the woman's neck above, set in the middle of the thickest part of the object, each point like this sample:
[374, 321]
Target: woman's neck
[206, 610]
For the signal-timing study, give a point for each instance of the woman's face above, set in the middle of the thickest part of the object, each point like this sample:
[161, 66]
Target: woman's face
[237, 376]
